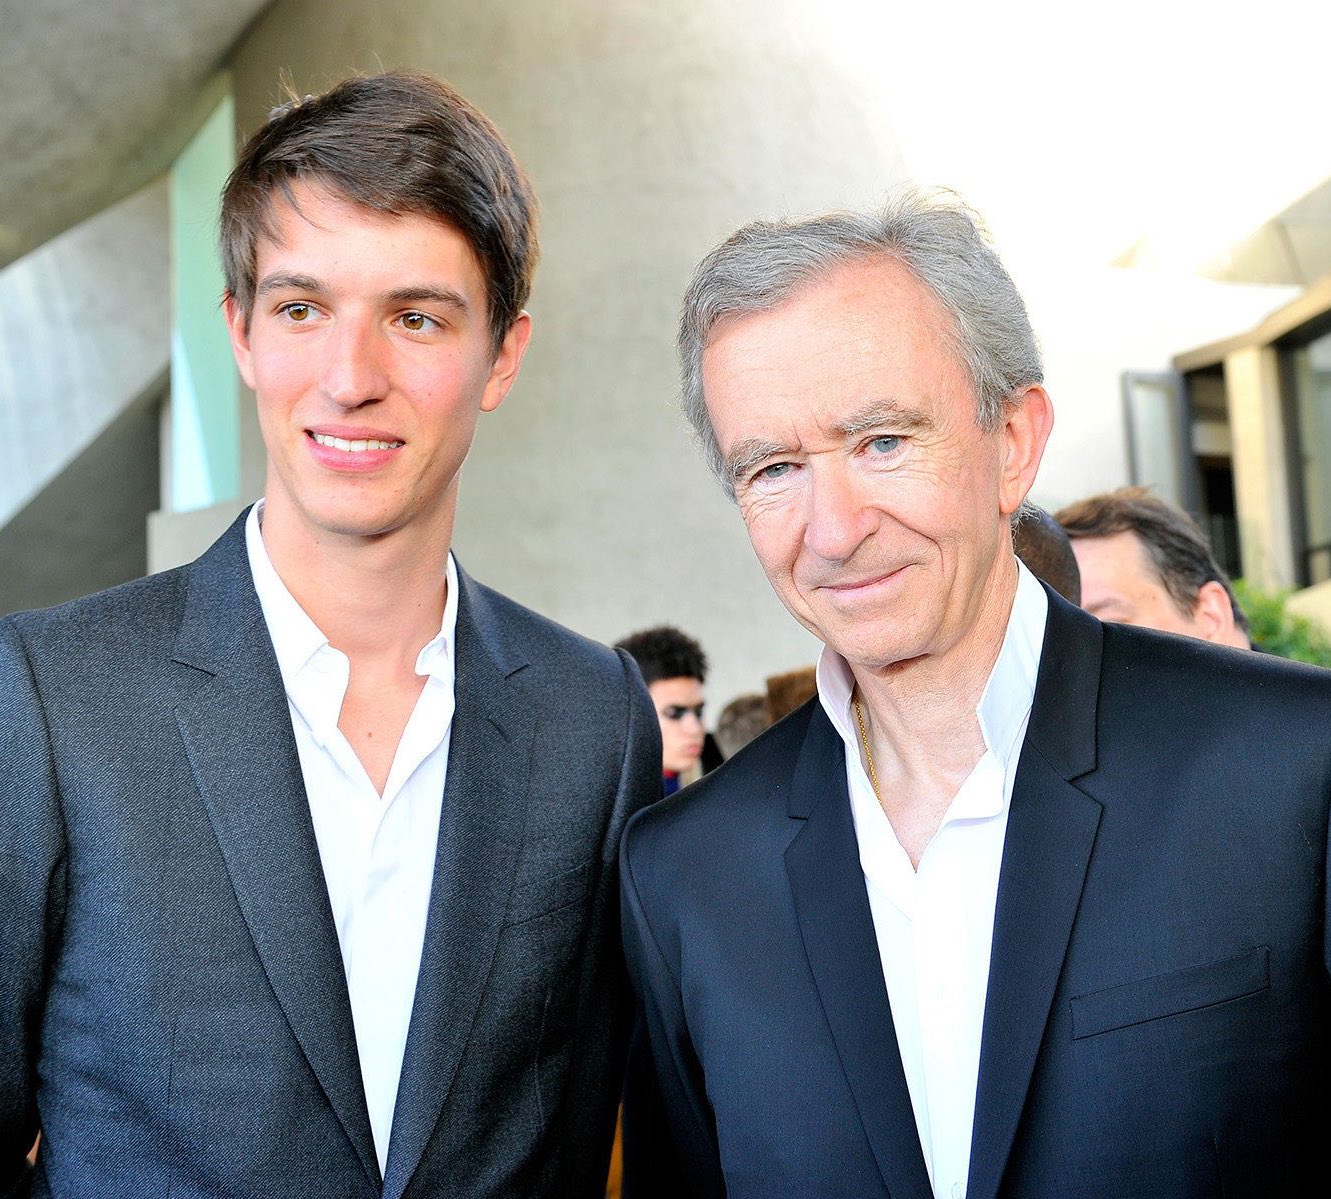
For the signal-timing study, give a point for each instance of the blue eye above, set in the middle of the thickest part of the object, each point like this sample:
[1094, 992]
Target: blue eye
[775, 471]
[885, 445]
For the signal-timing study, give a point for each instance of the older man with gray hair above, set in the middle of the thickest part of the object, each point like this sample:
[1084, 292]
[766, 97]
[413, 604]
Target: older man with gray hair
[995, 914]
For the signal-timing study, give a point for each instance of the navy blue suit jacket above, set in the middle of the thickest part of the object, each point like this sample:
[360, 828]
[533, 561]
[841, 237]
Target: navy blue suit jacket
[1158, 1009]
[173, 1009]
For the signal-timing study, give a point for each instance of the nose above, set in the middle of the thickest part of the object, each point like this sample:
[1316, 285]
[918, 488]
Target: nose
[353, 368]
[838, 515]
[692, 724]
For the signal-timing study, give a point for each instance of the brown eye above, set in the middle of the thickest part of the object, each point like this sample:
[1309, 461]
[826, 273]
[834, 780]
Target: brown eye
[417, 322]
[297, 312]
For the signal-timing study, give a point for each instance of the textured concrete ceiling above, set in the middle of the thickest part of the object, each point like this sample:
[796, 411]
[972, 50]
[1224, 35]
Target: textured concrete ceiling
[96, 97]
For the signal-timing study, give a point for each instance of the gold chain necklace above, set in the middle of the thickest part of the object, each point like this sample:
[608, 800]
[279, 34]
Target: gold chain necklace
[868, 753]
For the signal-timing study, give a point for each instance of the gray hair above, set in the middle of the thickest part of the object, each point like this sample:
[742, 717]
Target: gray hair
[932, 234]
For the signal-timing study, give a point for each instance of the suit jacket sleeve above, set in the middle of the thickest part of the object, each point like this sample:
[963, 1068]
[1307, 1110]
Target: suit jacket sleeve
[670, 1144]
[1326, 911]
[32, 887]
[603, 999]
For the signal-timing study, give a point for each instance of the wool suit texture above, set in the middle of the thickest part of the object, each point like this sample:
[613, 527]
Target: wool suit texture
[173, 1008]
[1158, 1009]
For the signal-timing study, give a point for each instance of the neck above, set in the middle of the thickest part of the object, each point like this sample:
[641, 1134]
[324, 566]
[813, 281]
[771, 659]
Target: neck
[923, 727]
[377, 596]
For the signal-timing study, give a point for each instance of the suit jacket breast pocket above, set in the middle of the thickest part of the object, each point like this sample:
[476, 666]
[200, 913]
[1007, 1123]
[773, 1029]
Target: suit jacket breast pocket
[1171, 994]
[541, 893]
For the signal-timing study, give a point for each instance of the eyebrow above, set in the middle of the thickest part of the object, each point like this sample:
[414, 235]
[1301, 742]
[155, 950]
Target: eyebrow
[445, 296]
[287, 282]
[884, 414]
[748, 453]
[423, 294]
[881, 414]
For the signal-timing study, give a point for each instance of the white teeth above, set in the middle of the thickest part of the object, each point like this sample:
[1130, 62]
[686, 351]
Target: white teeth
[354, 447]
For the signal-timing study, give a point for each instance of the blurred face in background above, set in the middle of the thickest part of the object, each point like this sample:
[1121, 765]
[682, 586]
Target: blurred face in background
[1119, 583]
[679, 709]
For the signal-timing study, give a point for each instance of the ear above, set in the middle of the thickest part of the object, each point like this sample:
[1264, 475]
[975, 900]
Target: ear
[504, 369]
[1026, 426]
[238, 326]
[1213, 614]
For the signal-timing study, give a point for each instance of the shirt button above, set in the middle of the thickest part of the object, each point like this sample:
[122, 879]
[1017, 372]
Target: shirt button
[957, 1192]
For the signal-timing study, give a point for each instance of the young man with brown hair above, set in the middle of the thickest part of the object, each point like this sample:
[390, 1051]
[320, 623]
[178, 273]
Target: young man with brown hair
[308, 848]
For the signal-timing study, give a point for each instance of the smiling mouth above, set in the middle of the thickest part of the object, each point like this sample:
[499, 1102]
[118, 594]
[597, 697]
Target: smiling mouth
[863, 584]
[359, 446]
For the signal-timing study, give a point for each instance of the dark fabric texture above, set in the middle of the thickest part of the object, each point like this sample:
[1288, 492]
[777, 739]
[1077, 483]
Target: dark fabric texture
[1157, 1017]
[173, 1011]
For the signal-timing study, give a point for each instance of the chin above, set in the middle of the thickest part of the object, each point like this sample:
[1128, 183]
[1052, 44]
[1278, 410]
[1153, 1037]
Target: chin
[880, 652]
[353, 520]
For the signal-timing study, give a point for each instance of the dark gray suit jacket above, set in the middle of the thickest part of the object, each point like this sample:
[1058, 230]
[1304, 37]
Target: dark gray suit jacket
[1158, 1018]
[173, 1010]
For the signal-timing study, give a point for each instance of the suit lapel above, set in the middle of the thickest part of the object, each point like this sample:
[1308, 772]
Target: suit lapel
[480, 836]
[1050, 835]
[837, 926]
[236, 729]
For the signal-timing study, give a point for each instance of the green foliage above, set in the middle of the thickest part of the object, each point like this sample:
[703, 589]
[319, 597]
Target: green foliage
[1278, 630]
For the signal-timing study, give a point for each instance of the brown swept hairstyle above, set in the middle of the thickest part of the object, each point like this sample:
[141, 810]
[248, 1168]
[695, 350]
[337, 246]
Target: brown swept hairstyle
[399, 143]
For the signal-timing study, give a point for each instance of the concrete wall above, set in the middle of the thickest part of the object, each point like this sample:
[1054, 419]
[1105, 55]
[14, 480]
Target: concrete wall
[87, 528]
[84, 335]
[84, 331]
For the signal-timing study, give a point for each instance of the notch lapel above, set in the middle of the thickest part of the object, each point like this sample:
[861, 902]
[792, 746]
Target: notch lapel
[836, 923]
[1051, 832]
[480, 836]
[236, 728]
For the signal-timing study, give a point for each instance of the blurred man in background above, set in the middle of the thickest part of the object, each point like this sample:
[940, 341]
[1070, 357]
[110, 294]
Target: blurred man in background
[674, 668]
[1145, 562]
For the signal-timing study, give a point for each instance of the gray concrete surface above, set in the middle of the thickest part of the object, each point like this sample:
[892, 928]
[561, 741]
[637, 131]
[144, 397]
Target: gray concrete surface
[84, 332]
[96, 100]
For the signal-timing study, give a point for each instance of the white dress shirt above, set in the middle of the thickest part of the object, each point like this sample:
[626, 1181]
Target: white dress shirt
[377, 851]
[935, 926]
